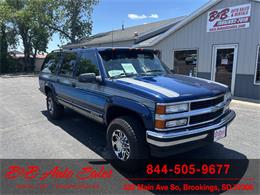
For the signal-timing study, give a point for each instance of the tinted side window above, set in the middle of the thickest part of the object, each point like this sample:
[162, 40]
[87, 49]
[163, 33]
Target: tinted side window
[87, 63]
[67, 65]
[50, 63]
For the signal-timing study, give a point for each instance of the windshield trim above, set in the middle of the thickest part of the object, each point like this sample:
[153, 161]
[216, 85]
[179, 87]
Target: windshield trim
[164, 69]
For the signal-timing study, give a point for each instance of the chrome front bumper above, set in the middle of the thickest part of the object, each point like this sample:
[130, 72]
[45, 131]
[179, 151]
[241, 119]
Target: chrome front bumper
[165, 139]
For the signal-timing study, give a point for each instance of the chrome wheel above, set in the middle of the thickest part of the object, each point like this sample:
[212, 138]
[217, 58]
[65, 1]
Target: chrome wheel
[120, 145]
[50, 105]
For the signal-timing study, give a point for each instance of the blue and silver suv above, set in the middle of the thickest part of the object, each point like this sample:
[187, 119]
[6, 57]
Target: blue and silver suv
[146, 108]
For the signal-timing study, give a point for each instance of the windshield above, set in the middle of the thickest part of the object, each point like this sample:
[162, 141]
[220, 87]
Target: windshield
[128, 63]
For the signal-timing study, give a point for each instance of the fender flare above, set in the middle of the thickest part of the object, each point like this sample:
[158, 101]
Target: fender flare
[50, 85]
[143, 111]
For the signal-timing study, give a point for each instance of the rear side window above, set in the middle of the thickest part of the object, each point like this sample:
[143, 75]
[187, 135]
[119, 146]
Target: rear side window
[87, 63]
[51, 63]
[67, 65]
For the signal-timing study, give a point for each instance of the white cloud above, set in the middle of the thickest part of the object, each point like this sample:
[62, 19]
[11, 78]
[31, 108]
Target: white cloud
[136, 17]
[143, 16]
[154, 16]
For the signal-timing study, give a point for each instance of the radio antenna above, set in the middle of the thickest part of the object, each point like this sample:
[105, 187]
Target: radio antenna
[112, 38]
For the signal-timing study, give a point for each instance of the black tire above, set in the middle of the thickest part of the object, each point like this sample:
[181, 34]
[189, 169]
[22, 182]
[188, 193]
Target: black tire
[135, 133]
[55, 110]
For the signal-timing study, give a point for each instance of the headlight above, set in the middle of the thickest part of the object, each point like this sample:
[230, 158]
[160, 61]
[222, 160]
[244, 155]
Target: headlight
[177, 108]
[176, 123]
[167, 109]
[228, 96]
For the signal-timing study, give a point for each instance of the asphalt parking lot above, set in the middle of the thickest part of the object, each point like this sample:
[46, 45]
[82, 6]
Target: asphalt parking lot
[27, 132]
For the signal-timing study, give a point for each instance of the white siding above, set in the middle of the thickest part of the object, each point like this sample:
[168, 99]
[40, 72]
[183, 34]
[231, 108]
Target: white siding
[194, 35]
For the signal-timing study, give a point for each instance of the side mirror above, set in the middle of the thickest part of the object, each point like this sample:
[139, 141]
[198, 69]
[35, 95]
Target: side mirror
[87, 78]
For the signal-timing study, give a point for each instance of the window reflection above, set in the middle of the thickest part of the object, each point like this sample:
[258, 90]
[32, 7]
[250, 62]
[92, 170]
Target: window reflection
[87, 64]
[185, 62]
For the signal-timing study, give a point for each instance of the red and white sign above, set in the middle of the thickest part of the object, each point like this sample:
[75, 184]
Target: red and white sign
[229, 18]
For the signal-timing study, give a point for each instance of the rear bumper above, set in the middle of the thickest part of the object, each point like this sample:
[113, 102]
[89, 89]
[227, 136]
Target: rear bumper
[168, 139]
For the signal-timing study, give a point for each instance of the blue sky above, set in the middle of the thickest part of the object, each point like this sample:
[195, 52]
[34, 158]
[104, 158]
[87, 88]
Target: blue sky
[110, 14]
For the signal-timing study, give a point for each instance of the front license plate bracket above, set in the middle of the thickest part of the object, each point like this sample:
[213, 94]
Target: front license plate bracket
[220, 133]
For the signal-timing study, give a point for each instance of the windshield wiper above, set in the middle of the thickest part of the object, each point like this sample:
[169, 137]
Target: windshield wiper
[150, 71]
[123, 75]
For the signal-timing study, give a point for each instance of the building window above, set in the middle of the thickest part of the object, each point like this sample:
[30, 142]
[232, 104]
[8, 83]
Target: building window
[257, 73]
[185, 62]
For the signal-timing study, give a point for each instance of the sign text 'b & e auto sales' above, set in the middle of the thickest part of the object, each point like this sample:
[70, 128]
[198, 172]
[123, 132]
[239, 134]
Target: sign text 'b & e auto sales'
[229, 18]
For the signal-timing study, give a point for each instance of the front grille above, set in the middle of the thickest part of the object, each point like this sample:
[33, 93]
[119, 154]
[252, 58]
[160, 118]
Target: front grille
[205, 117]
[206, 103]
[202, 111]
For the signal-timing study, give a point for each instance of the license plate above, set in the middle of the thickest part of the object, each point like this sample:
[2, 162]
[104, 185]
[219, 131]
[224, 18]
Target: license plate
[220, 133]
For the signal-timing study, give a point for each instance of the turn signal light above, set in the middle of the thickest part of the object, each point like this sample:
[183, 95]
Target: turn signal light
[159, 124]
[160, 109]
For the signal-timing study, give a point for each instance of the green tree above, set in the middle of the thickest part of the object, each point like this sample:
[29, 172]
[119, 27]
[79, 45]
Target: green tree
[73, 19]
[29, 18]
[7, 34]
[36, 20]
[40, 32]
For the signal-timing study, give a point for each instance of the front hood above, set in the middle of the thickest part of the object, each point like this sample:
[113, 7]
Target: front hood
[169, 87]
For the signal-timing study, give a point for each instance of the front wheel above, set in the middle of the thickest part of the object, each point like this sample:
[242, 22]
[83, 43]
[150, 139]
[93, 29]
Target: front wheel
[126, 141]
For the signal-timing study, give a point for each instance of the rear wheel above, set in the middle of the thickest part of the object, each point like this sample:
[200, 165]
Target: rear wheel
[55, 110]
[126, 141]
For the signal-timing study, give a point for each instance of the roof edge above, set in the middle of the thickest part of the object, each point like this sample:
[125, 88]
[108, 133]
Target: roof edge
[141, 36]
[178, 19]
[187, 20]
[90, 45]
